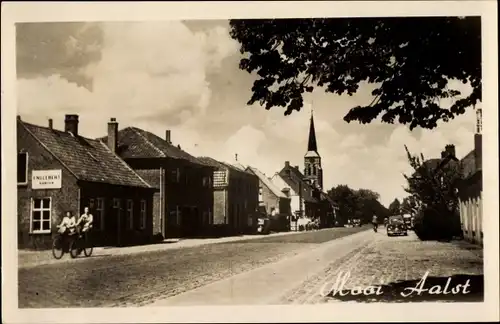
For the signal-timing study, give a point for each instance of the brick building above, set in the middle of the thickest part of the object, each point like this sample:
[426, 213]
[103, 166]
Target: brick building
[61, 171]
[235, 197]
[306, 200]
[184, 201]
[471, 188]
[272, 200]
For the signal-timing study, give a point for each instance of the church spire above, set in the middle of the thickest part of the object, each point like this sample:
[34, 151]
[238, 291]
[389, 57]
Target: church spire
[312, 161]
[312, 146]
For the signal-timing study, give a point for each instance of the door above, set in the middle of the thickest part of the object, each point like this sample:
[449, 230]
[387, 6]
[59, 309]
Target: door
[113, 223]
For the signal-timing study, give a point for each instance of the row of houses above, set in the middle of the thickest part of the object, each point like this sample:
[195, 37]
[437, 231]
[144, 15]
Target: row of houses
[471, 188]
[138, 185]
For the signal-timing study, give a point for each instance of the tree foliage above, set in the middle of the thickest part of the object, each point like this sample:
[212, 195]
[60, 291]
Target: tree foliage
[409, 205]
[395, 207]
[410, 60]
[361, 204]
[433, 187]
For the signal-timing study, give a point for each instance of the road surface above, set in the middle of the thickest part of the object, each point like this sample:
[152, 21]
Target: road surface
[142, 278]
[287, 269]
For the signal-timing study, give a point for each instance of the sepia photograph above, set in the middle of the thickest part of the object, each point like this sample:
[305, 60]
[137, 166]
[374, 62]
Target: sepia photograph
[251, 161]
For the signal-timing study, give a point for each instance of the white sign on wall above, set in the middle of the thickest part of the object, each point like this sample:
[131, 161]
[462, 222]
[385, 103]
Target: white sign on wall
[46, 179]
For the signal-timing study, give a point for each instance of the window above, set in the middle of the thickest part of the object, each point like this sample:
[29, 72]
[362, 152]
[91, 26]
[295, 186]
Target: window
[22, 168]
[176, 175]
[205, 181]
[91, 204]
[99, 214]
[130, 213]
[41, 215]
[143, 214]
[260, 194]
[116, 203]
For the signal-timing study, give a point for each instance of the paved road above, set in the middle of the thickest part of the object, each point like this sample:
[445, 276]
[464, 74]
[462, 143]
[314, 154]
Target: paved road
[394, 264]
[141, 278]
[371, 259]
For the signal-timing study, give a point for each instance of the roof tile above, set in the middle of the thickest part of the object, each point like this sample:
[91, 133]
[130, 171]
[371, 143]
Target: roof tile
[88, 159]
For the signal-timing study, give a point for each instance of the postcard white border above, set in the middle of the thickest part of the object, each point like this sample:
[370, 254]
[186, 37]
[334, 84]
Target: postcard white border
[135, 11]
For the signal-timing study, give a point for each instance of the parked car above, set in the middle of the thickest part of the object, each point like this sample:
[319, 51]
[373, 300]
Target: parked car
[396, 226]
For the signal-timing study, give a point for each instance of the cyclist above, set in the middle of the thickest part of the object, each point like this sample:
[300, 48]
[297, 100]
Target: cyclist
[84, 223]
[68, 224]
[375, 222]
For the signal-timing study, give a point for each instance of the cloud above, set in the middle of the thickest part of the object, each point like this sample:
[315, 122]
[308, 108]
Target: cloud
[155, 72]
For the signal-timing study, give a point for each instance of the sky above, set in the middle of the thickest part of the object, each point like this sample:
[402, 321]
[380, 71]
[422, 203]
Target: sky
[184, 76]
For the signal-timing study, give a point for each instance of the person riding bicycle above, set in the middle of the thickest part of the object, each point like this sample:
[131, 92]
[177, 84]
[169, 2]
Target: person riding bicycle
[84, 223]
[375, 221]
[68, 224]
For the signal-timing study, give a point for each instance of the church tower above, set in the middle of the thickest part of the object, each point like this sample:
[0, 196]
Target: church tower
[312, 160]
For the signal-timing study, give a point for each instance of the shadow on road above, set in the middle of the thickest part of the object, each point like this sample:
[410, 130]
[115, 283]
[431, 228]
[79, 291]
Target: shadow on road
[395, 292]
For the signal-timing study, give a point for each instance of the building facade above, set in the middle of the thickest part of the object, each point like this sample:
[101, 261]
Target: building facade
[235, 197]
[183, 204]
[296, 183]
[471, 188]
[273, 201]
[296, 203]
[61, 171]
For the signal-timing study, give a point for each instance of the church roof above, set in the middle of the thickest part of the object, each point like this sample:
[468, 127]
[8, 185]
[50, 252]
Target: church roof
[312, 146]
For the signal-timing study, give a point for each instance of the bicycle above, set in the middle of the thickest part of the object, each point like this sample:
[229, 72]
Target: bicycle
[72, 244]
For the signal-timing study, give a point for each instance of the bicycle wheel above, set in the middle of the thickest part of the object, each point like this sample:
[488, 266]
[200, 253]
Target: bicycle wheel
[57, 248]
[88, 250]
[74, 250]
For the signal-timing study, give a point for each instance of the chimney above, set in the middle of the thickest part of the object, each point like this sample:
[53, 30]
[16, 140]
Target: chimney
[167, 136]
[112, 135]
[236, 157]
[478, 150]
[287, 164]
[443, 154]
[18, 117]
[51, 123]
[450, 150]
[71, 124]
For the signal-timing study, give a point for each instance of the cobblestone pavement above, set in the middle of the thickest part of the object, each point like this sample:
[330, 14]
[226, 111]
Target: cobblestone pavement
[138, 279]
[393, 264]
